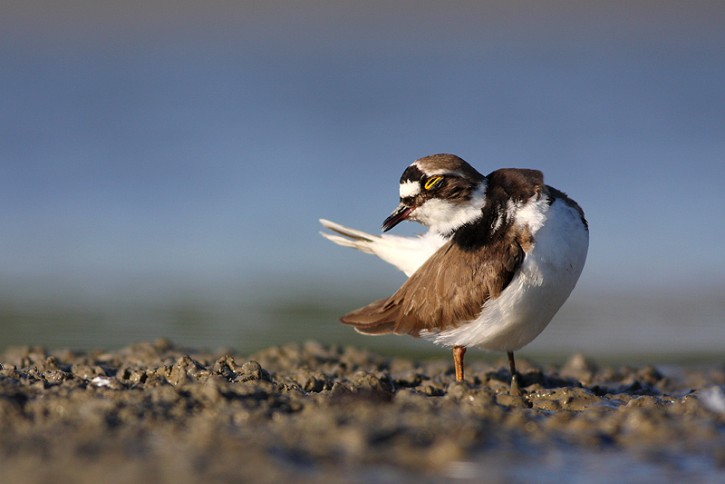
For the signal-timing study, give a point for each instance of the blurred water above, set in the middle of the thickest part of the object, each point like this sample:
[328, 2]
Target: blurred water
[162, 174]
[609, 327]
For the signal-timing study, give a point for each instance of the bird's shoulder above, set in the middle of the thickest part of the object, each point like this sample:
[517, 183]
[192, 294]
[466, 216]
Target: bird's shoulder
[516, 184]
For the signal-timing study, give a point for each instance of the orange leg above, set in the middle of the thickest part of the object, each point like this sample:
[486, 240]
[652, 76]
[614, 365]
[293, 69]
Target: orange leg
[458, 352]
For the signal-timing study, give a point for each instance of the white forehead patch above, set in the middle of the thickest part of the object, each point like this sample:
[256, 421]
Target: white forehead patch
[409, 189]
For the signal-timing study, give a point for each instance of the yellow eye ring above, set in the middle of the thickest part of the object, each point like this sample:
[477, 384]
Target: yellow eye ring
[432, 182]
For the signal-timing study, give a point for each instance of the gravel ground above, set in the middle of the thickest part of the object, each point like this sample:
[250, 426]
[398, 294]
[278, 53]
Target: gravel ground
[152, 412]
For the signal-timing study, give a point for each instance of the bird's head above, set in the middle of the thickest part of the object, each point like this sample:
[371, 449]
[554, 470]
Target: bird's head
[441, 192]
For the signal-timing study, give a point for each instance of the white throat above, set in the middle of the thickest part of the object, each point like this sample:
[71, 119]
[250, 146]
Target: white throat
[444, 217]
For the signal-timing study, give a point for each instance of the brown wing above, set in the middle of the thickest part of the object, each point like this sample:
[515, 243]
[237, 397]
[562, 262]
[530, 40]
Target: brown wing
[448, 289]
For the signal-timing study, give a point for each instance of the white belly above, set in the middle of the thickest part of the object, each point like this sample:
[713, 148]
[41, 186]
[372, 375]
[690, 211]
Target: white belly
[544, 281]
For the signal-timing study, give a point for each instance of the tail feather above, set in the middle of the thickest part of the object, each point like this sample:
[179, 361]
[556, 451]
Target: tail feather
[371, 319]
[376, 330]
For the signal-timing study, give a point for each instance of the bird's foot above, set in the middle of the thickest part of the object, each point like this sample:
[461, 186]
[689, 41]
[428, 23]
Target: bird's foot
[515, 389]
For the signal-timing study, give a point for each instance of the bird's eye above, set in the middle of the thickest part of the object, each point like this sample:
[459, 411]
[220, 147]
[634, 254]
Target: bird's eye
[432, 182]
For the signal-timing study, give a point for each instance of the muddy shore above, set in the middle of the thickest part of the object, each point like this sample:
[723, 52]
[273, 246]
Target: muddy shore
[152, 412]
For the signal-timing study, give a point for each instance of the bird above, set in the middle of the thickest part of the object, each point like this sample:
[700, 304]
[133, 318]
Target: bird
[501, 255]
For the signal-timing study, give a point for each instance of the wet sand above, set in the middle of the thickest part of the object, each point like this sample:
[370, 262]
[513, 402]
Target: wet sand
[152, 412]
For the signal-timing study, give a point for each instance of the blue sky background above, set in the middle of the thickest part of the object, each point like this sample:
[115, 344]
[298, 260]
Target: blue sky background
[179, 154]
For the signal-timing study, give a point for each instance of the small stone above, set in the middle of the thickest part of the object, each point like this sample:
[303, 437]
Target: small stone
[86, 371]
[250, 371]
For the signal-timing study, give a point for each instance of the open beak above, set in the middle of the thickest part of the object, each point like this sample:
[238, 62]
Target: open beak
[400, 213]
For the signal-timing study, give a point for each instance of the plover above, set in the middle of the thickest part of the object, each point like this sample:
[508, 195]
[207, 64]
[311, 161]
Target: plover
[502, 254]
